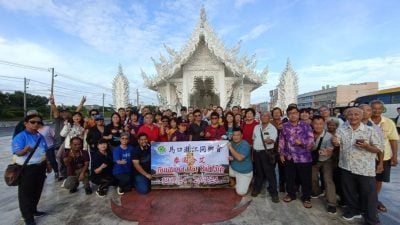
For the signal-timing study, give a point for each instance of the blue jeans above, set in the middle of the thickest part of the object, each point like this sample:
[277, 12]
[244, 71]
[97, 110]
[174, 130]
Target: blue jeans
[142, 184]
[51, 155]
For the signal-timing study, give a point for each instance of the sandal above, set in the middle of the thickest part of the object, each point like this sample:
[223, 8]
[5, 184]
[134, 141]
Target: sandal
[381, 207]
[307, 204]
[287, 198]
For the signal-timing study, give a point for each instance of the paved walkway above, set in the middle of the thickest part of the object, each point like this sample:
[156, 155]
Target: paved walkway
[78, 208]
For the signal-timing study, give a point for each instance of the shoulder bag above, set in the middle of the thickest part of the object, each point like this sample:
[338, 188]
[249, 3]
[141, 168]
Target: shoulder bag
[13, 171]
[315, 153]
[271, 153]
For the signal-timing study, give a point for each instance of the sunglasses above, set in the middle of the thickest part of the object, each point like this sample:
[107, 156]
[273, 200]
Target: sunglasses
[35, 122]
[93, 114]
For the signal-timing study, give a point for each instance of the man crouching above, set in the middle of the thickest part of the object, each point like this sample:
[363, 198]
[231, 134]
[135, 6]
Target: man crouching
[241, 166]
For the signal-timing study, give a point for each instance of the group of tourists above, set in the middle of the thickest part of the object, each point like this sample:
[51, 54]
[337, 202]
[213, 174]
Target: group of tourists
[344, 158]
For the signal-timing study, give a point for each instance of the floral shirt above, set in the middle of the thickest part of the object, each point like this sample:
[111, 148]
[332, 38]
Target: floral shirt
[288, 148]
[356, 160]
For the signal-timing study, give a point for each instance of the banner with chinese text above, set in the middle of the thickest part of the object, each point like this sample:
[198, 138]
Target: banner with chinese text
[189, 164]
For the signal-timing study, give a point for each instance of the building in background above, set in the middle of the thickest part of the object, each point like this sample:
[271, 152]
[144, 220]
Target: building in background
[205, 72]
[261, 107]
[338, 96]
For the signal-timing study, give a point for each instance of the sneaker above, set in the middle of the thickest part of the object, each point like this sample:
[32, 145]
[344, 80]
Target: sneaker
[120, 191]
[350, 216]
[275, 199]
[88, 190]
[331, 209]
[100, 193]
[73, 190]
[39, 214]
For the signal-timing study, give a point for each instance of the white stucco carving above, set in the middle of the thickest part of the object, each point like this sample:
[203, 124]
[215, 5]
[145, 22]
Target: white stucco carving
[120, 90]
[205, 56]
[287, 88]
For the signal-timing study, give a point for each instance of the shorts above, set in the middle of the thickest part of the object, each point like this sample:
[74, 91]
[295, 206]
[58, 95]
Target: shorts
[242, 180]
[385, 175]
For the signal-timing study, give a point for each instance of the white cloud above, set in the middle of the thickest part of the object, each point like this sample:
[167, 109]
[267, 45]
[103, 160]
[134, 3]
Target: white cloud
[256, 32]
[384, 70]
[240, 3]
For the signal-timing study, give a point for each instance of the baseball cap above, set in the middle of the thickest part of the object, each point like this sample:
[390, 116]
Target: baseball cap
[32, 112]
[99, 117]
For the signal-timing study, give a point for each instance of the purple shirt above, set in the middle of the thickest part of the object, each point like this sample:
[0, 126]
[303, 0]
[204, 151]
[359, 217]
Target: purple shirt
[288, 148]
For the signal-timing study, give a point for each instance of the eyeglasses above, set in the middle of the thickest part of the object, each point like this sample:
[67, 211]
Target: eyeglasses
[197, 115]
[35, 122]
[165, 121]
[124, 138]
[214, 118]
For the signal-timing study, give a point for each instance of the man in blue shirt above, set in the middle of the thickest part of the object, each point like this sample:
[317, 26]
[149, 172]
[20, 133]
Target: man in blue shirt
[33, 176]
[241, 166]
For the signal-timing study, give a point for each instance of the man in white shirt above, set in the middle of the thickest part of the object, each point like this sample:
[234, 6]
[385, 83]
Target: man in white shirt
[359, 145]
[264, 137]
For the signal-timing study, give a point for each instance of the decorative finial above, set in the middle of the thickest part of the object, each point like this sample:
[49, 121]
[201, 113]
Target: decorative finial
[288, 64]
[203, 16]
[120, 69]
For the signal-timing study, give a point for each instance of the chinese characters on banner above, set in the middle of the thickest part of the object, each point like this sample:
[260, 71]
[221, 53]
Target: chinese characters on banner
[197, 164]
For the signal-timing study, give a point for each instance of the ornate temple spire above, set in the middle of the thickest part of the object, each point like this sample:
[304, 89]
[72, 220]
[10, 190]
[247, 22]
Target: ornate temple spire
[287, 87]
[167, 67]
[203, 16]
[120, 90]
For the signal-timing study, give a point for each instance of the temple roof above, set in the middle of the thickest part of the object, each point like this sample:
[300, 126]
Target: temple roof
[240, 67]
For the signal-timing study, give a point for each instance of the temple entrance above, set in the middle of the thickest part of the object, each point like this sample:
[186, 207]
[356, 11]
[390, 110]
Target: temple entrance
[204, 93]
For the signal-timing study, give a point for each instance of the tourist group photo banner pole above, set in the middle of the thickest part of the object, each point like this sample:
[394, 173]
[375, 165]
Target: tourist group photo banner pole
[189, 164]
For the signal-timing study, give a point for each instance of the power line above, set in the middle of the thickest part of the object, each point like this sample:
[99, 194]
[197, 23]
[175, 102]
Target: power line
[18, 78]
[24, 66]
[82, 81]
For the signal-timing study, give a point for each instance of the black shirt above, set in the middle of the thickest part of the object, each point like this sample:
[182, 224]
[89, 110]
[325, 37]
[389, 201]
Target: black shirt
[93, 137]
[144, 157]
[195, 130]
[98, 159]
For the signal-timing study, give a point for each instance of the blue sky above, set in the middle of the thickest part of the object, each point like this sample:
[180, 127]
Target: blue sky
[328, 42]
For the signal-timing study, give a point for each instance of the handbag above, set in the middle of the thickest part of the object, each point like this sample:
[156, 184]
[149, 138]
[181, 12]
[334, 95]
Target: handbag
[271, 154]
[315, 153]
[13, 172]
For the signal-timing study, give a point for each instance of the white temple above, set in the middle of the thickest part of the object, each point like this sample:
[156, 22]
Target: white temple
[120, 90]
[287, 89]
[205, 72]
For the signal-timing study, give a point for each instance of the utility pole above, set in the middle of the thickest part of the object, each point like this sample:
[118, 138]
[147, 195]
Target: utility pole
[103, 104]
[24, 96]
[137, 98]
[52, 90]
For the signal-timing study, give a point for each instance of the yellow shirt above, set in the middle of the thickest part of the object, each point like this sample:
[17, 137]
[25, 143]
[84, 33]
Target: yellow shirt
[389, 134]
